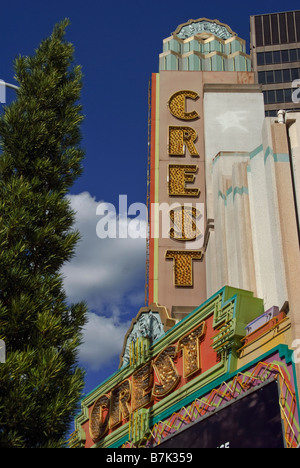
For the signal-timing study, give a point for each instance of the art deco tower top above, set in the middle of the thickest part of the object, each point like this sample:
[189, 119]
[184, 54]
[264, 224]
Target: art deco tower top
[204, 45]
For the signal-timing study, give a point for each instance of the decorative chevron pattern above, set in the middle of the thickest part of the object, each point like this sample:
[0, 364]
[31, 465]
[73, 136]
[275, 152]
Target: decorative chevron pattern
[226, 392]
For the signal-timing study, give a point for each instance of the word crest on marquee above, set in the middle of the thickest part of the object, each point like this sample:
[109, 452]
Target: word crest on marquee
[149, 383]
[185, 217]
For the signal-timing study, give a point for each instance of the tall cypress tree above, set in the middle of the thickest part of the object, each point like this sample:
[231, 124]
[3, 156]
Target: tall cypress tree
[40, 382]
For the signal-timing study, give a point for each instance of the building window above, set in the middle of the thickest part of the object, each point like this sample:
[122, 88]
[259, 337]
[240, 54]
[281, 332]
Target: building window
[297, 20]
[279, 95]
[282, 27]
[295, 73]
[277, 28]
[262, 77]
[278, 76]
[285, 57]
[260, 58]
[287, 95]
[293, 55]
[291, 26]
[265, 94]
[271, 97]
[274, 26]
[276, 56]
[269, 76]
[268, 58]
[286, 75]
[258, 31]
[267, 30]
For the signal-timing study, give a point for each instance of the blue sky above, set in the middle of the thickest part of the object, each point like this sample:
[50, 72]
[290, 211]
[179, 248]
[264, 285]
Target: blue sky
[117, 44]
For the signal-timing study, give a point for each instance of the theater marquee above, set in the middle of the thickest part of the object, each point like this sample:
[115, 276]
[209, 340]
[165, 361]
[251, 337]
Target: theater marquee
[161, 366]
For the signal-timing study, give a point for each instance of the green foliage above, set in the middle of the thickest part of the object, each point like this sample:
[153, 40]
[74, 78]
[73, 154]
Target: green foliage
[40, 383]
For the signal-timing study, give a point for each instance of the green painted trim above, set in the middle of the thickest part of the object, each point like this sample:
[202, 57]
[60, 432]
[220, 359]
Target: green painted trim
[268, 152]
[171, 335]
[277, 157]
[224, 295]
[287, 354]
[216, 303]
[283, 352]
[240, 191]
[221, 195]
[189, 321]
[237, 306]
[228, 192]
[256, 151]
[281, 157]
[115, 439]
[236, 191]
[156, 194]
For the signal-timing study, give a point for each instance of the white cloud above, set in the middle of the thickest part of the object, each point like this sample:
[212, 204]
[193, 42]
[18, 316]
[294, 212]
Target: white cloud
[103, 340]
[103, 271]
[109, 275]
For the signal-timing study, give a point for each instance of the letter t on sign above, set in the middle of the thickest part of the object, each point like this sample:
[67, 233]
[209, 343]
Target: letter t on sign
[183, 265]
[191, 351]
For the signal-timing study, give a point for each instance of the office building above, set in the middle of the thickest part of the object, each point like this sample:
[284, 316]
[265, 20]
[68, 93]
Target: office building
[275, 53]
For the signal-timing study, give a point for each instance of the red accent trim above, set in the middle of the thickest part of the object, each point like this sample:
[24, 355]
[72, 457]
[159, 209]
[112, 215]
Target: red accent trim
[152, 183]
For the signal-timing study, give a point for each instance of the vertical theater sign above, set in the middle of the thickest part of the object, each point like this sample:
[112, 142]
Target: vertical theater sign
[177, 192]
[206, 363]
[181, 178]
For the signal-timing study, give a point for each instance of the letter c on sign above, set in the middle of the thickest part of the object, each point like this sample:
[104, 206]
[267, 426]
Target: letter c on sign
[99, 418]
[177, 105]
